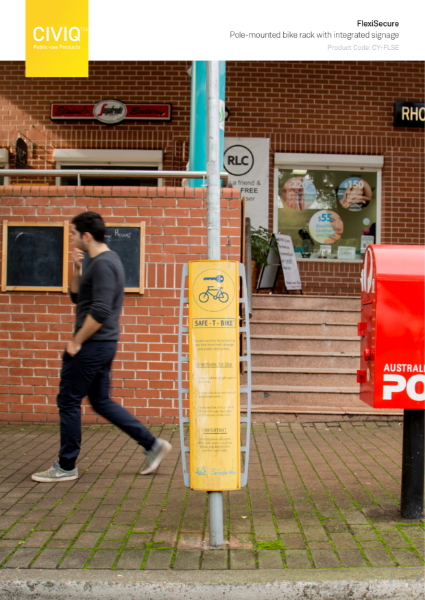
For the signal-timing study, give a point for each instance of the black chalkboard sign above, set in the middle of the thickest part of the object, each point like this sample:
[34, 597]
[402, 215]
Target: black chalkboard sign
[35, 256]
[128, 241]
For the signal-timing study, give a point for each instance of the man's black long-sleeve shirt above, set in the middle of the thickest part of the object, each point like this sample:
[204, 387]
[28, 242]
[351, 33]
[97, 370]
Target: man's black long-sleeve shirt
[101, 294]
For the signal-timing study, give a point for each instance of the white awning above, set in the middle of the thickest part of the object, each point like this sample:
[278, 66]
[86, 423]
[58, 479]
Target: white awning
[330, 161]
[108, 157]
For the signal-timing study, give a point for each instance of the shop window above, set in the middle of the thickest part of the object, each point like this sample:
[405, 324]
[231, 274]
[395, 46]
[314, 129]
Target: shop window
[330, 212]
[113, 160]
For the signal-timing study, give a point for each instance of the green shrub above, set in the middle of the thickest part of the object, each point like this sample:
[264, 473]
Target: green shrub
[260, 245]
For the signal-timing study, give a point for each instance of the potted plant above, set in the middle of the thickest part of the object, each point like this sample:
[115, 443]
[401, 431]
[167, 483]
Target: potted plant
[260, 246]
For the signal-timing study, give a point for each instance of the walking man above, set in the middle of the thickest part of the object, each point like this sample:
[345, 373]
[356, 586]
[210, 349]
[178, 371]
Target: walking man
[98, 294]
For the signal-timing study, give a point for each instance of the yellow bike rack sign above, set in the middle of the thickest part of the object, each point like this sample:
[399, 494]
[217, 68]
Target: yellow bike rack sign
[214, 375]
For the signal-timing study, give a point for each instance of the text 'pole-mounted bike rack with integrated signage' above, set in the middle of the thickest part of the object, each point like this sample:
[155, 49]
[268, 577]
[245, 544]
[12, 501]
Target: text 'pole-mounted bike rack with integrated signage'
[214, 390]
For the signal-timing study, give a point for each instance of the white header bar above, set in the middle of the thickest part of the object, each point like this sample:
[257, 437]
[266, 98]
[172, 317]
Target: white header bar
[193, 30]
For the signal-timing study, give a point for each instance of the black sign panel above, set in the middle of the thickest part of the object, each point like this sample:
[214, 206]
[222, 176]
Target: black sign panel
[409, 114]
[21, 154]
[125, 241]
[35, 256]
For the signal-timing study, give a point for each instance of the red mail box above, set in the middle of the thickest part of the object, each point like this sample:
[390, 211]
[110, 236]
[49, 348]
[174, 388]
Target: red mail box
[392, 371]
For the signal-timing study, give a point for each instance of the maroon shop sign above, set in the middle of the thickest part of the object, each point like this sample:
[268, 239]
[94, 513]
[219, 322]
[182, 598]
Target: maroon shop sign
[110, 112]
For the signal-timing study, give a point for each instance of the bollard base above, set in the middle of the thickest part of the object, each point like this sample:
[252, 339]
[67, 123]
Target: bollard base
[215, 500]
[412, 475]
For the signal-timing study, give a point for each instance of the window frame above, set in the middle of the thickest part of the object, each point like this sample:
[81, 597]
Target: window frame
[329, 162]
[70, 158]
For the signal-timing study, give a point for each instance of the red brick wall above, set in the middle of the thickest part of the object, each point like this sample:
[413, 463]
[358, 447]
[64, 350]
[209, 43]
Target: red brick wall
[310, 107]
[34, 327]
[339, 279]
[329, 278]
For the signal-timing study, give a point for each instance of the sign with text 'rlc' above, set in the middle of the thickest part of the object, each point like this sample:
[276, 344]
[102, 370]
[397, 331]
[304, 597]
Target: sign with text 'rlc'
[57, 39]
[214, 375]
[247, 162]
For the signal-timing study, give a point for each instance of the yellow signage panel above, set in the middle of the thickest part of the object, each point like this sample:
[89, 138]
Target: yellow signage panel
[57, 38]
[214, 375]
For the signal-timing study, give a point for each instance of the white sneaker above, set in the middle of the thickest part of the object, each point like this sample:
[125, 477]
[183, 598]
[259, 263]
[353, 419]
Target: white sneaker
[155, 457]
[54, 474]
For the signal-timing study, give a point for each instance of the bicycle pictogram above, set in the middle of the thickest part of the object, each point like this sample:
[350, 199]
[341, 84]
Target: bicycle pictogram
[215, 293]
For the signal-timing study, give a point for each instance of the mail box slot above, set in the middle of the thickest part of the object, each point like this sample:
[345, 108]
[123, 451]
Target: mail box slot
[392, 372]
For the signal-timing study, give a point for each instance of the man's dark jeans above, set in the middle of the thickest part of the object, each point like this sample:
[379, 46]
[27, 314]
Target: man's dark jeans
[88, 374]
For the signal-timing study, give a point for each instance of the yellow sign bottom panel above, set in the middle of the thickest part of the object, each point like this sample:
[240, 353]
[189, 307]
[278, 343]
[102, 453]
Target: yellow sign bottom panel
[214, 375]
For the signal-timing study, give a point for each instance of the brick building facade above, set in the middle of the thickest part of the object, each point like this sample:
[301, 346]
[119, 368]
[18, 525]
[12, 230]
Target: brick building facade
[331, 108]
[337, 108]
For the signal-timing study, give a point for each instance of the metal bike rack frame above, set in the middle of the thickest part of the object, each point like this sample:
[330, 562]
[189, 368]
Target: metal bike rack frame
[185, 390]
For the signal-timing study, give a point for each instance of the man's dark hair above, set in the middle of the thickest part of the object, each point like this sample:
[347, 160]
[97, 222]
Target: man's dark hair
[90, 222]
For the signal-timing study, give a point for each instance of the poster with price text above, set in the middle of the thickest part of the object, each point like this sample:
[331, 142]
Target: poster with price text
[214, 375]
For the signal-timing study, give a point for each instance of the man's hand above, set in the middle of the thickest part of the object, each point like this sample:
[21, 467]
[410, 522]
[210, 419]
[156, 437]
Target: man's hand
[77, 257]
[73, 348]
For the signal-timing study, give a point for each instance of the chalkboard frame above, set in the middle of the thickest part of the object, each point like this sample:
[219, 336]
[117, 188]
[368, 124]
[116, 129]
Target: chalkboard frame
[23, 288]
[141, 288]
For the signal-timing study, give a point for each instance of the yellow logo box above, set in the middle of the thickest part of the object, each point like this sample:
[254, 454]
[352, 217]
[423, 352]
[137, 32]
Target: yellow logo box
[57, 38]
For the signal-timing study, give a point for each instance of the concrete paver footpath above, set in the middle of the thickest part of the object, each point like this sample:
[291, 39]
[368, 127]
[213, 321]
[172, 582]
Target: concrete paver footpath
[320, 498]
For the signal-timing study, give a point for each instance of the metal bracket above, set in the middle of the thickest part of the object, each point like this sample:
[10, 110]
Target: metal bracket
[184, 390]
[181, 360]
[246, 389]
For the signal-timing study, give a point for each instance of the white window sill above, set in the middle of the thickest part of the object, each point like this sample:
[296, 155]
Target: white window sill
[357, 261]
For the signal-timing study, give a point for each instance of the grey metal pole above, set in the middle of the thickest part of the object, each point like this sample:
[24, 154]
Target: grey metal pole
[216, 518]
[213, 162]
[213, 241]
